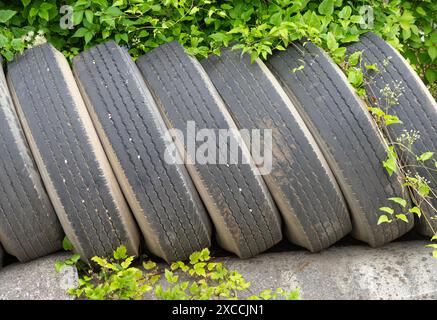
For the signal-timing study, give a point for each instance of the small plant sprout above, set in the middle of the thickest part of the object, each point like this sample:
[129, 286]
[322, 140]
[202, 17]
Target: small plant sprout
[299, 68]
[391, 96]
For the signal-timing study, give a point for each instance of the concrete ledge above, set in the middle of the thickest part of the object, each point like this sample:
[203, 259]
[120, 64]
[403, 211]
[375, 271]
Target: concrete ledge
[37, 280]
[403, 270]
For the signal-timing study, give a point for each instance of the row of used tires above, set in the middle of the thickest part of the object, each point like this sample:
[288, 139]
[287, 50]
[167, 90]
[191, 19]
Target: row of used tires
[84, 151]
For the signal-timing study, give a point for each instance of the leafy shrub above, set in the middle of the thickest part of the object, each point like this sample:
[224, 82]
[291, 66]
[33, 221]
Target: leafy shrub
[203, 26]
[203, 279]
[411, 27]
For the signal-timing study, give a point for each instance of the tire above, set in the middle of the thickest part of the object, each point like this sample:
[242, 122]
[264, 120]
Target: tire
[162, 196]
[240, 206]
[416, 108]
[74, 168]
[29, 227]
[300, 181]
[347, 136]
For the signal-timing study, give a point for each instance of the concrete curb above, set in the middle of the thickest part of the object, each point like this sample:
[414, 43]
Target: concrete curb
[402, 270]
[37, 280]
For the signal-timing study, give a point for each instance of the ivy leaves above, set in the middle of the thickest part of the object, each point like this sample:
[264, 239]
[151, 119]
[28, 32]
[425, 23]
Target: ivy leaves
[390, 163]
[204, 26]
[390, 212]
[118, 278]
[85, 33]
[419, 36]
[98, 17]
[6, 15]
[425, 156]
[326, 7]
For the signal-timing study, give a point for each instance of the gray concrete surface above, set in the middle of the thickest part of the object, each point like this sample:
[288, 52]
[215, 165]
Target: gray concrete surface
[37, 280]
[403, 270]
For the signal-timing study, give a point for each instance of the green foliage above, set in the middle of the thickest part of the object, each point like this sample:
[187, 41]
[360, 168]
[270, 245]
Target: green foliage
[204, 26]
[116, 279]
[390, 213]
[74, 260]
[401, 159]
[391, 163]
[66, 244]
[401, 201]
[277, 294]
[199, 279]
[410, 26]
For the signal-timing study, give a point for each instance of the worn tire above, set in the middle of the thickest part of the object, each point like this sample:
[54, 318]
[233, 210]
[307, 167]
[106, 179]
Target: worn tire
[416, 107]
[29, 227]
[75, 170]
[244, 215]
[162, 196]
[345, 132]
[300, 181]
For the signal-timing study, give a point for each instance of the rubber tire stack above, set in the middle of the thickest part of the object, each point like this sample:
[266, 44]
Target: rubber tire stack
[300, 180]
[162, 196]
[244, 215]
[74, 167]
[104, 161]
[416, 108]
[347, 135]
